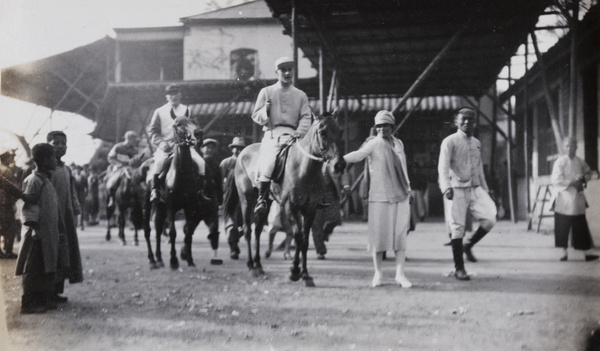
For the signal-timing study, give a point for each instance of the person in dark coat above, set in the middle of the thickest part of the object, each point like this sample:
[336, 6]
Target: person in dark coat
[213, 189]
[227, 167]
[38, 256]
[69, 209]
[9, 224]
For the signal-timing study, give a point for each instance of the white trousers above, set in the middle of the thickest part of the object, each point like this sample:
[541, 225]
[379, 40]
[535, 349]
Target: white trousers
[269, 146]
[478, 202]
[160, 157]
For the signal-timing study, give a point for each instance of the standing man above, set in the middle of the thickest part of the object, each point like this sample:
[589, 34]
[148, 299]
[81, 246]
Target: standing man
[69, 256]
[569, 177]
[161, 136]
[121, 156]
[9, 224]
[214, 190]
[227, 167]
[462, 181]
[283, 111]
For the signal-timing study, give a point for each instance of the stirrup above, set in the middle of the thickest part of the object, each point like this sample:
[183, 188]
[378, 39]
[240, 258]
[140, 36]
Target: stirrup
[203, 198]
[261, 207]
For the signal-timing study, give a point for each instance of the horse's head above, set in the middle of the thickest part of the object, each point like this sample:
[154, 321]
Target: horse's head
[329, 138]
[184, 131]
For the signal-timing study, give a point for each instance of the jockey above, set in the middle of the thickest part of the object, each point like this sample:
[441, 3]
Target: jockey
[282, 110]
[121, 156]
[161, 135]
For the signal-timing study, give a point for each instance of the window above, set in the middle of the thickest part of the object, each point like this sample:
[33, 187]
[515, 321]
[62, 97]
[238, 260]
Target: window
[244, 64]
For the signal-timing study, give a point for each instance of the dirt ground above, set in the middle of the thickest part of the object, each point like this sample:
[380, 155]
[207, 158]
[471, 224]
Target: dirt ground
[520, 298]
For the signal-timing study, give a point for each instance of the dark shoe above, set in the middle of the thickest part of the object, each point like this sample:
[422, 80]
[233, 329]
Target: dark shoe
[216, 261]
[60, 299]
[33, 309]
[591, 257]
[469, 254]
[449, 243]
[564, 258]
[321, 256]
[234, 255]
[461, 274]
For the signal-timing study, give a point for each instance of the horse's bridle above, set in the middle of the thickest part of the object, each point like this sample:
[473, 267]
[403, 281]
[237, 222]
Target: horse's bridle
[322, 151]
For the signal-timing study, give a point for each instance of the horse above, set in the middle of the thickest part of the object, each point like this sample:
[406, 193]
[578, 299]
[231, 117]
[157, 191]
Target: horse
[181, 190]
[128, 198]
[297, 191]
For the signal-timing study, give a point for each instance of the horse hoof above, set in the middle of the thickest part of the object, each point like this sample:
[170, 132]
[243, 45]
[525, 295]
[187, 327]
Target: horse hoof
[136, 243]
[191, 264]
[154, 265]
[234, 255]
[252, 273]
[174, 263]
[107, 237]
[287, 256]
[123, 242]
[268, 254]
[308, 282]
[259, 271]
[160, 264]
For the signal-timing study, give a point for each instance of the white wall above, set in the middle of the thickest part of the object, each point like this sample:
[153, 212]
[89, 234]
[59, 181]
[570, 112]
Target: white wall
[207, 49]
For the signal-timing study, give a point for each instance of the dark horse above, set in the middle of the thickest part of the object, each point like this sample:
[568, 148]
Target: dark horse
[128, 198]
[182, 187]
[298, 191]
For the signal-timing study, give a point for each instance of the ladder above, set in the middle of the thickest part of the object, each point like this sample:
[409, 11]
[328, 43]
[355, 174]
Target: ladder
[542, 196]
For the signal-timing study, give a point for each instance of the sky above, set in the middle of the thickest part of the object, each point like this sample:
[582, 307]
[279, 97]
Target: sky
[34, 29]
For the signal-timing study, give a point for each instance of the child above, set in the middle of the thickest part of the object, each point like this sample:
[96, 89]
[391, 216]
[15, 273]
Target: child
[38, 256]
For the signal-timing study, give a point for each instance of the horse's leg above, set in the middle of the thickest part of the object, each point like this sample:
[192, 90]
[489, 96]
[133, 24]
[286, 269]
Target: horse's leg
[159, 226]
[172, 236]
[307, 222]
[272, 232]
[248, 235]
[188, 231]
[122, 222]
[259, 225]
[109, 213]
[289, 235]
[146, 214]
[294, 225]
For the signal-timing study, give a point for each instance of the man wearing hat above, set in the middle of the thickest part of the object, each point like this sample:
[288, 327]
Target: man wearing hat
[463, 182]
[161, 136]
[227, 167]
[9, 225]
[121, 156]
[214, 190]
[283, 111]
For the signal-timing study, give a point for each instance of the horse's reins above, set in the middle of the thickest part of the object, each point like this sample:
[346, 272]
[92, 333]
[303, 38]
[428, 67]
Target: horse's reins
[323, 158]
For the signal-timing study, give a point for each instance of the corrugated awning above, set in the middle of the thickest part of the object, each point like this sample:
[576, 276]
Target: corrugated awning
[353, 105]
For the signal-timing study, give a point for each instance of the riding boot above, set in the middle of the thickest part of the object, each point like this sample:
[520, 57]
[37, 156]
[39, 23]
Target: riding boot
[111, 198]
[263, 192]
[479, 234]
[155, 195]
[459, 263]
[201, 195]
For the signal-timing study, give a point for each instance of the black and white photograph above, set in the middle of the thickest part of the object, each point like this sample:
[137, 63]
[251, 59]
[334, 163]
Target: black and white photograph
[299, 175]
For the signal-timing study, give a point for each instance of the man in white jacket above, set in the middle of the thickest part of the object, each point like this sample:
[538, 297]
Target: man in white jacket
[463, 182]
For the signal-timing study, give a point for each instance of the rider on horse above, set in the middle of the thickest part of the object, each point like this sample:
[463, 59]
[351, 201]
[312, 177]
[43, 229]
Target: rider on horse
[162, 136]
[121, 156]
[284, 112]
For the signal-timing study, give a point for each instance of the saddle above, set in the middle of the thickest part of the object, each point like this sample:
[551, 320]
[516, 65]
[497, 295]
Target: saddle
[280, 161]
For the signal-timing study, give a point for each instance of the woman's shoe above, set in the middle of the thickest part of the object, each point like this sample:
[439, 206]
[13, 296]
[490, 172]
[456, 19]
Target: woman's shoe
[376, 280]
[403, 281]
[591, 258]
[564, 258]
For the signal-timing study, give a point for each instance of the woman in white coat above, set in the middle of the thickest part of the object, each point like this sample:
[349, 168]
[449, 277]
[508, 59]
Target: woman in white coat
[389, 196]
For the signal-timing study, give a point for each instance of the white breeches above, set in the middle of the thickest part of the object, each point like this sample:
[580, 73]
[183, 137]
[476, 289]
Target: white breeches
[478, 202]
[269, 146]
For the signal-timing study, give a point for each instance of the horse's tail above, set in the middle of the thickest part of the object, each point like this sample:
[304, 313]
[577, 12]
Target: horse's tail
[231, 199]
